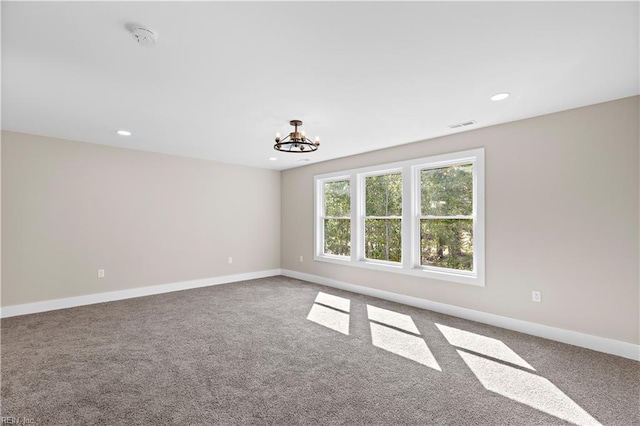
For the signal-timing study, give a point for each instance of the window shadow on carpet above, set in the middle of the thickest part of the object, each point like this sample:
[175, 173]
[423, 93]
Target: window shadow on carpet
[498, 368]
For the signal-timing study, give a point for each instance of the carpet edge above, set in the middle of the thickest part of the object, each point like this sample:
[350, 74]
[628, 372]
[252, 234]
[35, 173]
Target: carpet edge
[90, 299]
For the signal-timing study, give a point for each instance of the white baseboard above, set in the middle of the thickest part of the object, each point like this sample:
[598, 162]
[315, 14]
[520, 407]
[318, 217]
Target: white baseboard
[601, 344]
[90, 299]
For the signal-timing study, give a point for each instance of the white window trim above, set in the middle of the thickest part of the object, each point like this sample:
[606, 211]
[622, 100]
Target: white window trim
[319, 209]
[362, 215]
[411, 214]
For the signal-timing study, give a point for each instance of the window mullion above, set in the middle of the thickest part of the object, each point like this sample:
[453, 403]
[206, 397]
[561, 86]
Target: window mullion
[356, 226]
[408, 255]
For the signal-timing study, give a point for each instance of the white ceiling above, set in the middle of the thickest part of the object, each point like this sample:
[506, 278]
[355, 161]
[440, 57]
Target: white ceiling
[224, 77]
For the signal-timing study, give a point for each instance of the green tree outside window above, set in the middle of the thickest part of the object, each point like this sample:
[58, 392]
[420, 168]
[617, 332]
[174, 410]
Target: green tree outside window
[446, 222]
[337, 218]
[383, 217]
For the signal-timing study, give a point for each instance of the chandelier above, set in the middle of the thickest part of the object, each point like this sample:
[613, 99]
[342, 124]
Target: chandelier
[296, 141]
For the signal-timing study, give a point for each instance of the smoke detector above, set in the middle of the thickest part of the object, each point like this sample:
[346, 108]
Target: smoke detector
[144, 36]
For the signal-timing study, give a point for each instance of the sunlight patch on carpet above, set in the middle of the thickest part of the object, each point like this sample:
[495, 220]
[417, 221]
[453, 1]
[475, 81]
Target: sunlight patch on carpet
[482, 345]
[403, 344]
[526, 388]
[394, 319]
[330, 318]
[333, 301]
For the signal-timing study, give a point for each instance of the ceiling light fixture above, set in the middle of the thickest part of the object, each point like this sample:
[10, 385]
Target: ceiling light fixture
[500, 96]
[296, 141]
[123, 132]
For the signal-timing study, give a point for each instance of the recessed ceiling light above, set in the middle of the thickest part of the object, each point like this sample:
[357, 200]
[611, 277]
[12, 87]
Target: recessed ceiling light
[272, 158]
[123, 132]
[500, 96]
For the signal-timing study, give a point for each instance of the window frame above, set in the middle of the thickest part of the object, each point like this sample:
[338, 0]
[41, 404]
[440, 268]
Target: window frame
[362, 216]
[320, 215]
[411, 215]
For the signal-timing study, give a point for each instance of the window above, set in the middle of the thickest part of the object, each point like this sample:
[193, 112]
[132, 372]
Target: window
[336, 218]
[421, 217]
[446, 220]
[383, 217]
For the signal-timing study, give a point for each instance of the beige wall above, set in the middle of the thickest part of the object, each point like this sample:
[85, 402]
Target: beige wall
[561, 217]
[70, 208]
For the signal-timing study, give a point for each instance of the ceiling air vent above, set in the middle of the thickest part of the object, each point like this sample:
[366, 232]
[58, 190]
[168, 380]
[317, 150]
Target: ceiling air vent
[458, 125]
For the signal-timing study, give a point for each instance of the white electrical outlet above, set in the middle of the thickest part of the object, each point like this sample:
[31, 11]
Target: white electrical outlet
[230, 260]
[536, 296]
[301, 259]
[100, 273]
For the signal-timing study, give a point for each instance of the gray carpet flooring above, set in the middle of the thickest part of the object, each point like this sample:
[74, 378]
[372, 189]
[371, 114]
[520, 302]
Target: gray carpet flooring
[282, 351]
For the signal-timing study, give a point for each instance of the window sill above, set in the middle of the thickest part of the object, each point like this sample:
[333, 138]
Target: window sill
[443, 275]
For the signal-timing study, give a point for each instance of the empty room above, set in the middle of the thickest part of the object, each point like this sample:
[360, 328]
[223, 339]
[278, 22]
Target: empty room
[327, 213]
